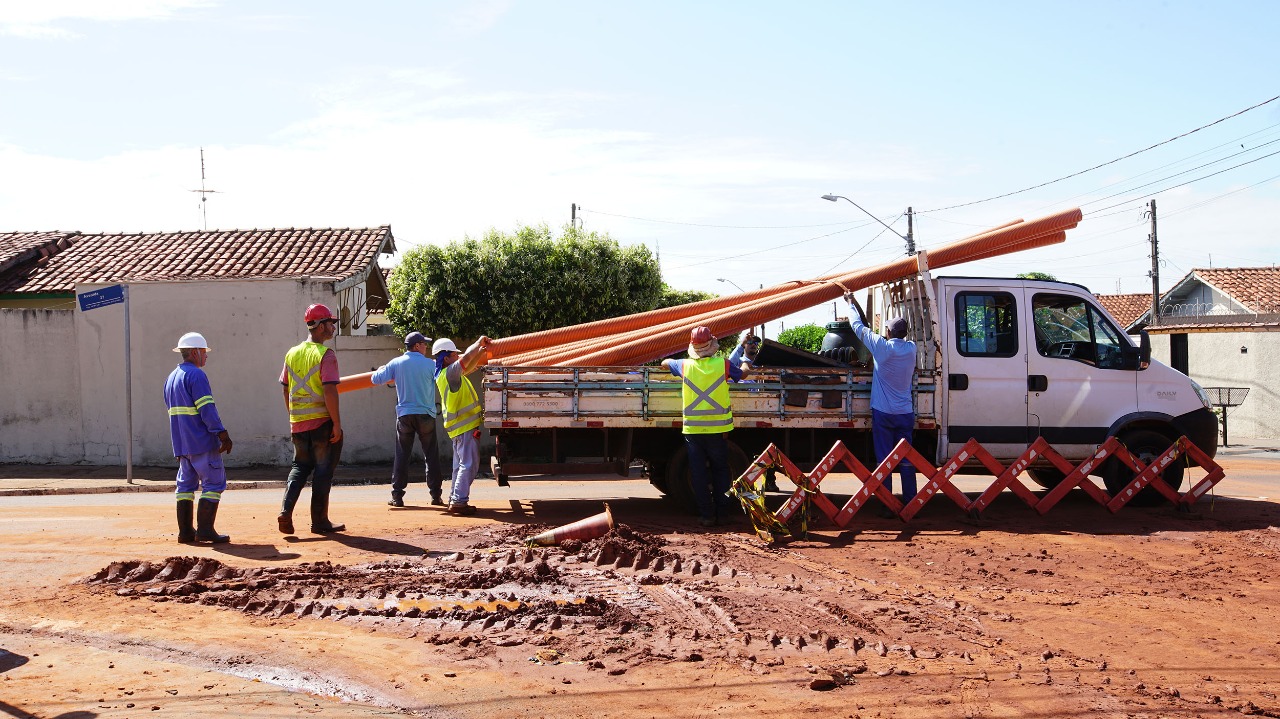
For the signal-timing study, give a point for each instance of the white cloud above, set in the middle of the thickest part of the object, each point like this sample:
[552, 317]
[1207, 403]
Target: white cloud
[45, 18]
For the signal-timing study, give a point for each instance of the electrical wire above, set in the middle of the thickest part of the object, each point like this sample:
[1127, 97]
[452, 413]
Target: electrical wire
[771, 249]
[1182, 184]
[1096, 167]
[722, 227]
[832, 268]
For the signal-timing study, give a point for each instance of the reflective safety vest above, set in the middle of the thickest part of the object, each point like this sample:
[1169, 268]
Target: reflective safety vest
[306, 391]
[707, 408]
[462, 410]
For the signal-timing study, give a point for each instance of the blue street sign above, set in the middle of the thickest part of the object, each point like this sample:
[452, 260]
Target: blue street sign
[112, 295]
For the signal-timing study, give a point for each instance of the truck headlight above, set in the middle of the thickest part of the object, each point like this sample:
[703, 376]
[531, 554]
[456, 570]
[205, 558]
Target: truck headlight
[1204, 397]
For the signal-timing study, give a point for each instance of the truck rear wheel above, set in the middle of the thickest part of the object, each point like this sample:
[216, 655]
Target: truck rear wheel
[1047, 477]
[679, 487]
[1145, 445]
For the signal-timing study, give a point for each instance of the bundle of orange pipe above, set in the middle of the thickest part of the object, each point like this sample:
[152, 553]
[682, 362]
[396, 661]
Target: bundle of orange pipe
[639, 338]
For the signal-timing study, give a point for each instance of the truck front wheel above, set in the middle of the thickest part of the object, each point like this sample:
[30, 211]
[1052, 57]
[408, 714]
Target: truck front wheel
[1145, 445]
[679, 487]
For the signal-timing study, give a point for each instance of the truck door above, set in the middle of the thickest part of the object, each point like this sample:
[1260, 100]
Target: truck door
[1078, 378]
[986, 369]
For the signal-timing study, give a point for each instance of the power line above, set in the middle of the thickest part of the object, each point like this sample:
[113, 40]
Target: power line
[1188, 182]
[1110, 162]
[722, 227]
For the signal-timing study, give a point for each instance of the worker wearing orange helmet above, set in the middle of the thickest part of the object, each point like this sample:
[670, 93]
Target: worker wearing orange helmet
[708, 418]
[310, 381]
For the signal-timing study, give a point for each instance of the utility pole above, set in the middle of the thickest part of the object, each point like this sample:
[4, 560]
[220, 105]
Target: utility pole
[911, 238]
[1155, 268]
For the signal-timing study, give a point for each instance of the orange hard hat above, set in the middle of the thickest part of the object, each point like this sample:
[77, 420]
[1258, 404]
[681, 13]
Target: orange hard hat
[700, 336]
[316, 313]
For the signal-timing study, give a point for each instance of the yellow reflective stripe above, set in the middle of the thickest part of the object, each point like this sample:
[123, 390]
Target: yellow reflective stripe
[174, 411]
[207, 399]
[185, 496]
[215, 496]
[306, 391]
[707, 407]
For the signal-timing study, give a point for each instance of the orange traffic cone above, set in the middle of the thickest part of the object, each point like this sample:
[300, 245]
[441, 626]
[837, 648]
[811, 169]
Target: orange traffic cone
[589, 528]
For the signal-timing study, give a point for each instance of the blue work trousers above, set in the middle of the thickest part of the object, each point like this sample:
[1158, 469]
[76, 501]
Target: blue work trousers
[710, 486]
[423, 427]
[886, 430]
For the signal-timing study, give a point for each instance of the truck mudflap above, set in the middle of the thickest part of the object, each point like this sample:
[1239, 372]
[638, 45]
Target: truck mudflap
[937, 481]
[1201, 427]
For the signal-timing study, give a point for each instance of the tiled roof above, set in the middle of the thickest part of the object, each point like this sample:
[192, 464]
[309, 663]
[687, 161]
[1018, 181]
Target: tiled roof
[1126, 308]
[211, 254]
[1257, 288]
[19, 247]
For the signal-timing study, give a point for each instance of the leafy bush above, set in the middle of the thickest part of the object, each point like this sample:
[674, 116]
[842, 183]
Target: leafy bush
[805, 337]
[506, 284]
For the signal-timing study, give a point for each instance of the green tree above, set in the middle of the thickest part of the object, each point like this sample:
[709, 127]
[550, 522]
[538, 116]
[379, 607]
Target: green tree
[1036, 276]
[506, 284]
[670, 296]
[804, 337]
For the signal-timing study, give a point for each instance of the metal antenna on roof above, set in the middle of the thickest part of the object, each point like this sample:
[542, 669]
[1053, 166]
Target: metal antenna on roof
[204, 215]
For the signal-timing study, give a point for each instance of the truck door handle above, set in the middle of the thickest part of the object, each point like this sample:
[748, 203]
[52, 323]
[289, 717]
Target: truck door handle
[957, 381]
[1037, 382]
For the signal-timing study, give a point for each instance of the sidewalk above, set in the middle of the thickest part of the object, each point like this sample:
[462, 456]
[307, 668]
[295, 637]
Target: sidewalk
[39, 479]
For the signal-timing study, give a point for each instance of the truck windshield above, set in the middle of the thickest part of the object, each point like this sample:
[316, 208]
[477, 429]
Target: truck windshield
[1068, 327]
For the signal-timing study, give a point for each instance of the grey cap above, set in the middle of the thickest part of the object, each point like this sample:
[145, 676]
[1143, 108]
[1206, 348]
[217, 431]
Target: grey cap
[414, 338]
[896, 328]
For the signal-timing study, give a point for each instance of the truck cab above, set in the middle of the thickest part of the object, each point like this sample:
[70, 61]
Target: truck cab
[1022, 359]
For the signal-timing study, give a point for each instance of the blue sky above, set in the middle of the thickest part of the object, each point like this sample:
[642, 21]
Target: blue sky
[705, 130]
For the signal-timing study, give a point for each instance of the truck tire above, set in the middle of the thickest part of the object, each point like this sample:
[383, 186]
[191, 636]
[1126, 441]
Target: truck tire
[1145, 445]
[1047, 477]
[679, 487]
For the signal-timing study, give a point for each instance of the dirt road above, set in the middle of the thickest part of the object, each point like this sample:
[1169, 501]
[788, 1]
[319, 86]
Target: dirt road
[1148, 613]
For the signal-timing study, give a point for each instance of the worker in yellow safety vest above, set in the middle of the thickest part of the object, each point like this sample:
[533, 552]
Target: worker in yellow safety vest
[310, 382]
[708, 418]
[463, 414]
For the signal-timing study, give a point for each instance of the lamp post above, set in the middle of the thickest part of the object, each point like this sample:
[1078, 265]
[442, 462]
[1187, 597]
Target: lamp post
[735, 284]
[908, 238]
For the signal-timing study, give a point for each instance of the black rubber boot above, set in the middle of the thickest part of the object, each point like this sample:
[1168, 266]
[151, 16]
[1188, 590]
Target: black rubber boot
[186, 526]
[205, 514]
[320, 523]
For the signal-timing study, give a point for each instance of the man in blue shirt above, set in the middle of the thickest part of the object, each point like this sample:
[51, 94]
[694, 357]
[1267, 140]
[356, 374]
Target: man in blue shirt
[413, 375]
[893, 415]
[199, 440]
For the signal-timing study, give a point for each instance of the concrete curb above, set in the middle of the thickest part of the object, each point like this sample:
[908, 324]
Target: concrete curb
[168, 487]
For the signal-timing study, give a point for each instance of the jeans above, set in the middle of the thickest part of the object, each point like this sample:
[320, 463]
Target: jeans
[312, 450]
[710, 489]
[409, 426]
[886, 430]
[466, 462]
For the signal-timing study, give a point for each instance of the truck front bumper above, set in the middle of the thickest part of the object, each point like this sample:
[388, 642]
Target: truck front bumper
[1201, 427]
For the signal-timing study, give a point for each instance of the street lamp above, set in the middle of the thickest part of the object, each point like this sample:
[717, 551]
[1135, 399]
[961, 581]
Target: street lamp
[911, 243]
[735, 284]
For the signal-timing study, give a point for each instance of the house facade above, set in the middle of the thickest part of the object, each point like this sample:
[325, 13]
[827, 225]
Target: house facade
[64, 370]
[1221, 327]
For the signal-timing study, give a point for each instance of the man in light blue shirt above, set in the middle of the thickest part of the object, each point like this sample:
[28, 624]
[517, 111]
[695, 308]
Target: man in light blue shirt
[413, 375]
[893, 415]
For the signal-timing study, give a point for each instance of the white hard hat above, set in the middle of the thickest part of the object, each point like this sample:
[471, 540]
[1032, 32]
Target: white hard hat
[191, 341]
[442, 344]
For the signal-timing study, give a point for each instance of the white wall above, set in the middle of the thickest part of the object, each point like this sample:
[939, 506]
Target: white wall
[39, 387]
[249, 325]
[1214, 359]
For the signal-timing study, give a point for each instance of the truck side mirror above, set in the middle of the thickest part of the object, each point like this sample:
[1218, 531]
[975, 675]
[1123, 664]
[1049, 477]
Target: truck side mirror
[1144, 350]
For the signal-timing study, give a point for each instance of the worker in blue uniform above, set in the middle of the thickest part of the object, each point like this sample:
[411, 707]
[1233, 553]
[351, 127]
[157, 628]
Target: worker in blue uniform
[893, 415]
[199, 441]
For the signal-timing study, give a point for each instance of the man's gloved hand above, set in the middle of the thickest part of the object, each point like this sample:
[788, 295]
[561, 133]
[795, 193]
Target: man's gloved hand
[224, 442]
[853, 302]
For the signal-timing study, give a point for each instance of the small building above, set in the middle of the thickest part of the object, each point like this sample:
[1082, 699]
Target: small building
[64, 370]
[1126, 308]
[1221, 327]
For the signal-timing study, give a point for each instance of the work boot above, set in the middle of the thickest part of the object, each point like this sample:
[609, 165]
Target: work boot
[461, 510]
[286, 523]
[186, 526]
[320, 523]
[437, 500]
[205, 514]
[395, 502]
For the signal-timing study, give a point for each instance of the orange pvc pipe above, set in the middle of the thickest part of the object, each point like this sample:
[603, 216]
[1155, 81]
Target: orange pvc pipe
[987, 244]
[549, 355]
[353, 382]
